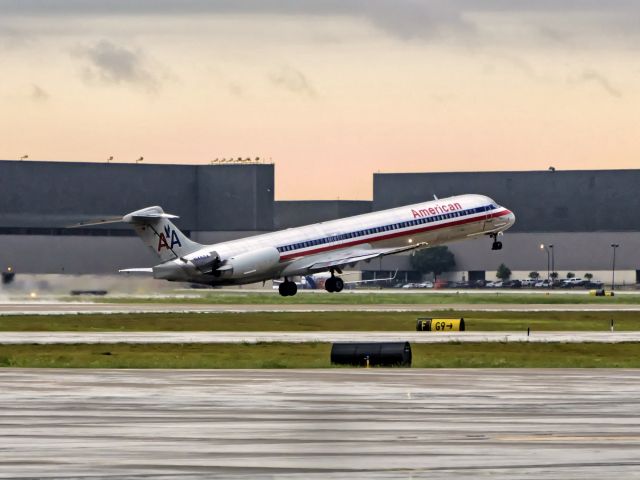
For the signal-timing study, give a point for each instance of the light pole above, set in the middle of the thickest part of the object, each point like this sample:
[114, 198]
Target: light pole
[553, 264]
[613, 267]
[542, 247]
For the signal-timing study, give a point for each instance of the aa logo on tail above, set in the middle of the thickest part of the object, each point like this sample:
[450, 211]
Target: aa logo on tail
[168, 239]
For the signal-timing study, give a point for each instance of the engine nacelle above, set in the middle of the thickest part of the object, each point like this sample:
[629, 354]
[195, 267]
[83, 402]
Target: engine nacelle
[251, 263]
[184, 270]
[205, 263]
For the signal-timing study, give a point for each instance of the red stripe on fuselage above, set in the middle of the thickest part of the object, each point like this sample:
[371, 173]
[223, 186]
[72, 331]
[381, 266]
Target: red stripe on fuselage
[394, 235]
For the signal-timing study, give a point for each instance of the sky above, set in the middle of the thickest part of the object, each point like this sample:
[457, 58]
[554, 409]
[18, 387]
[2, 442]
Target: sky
[329, 91]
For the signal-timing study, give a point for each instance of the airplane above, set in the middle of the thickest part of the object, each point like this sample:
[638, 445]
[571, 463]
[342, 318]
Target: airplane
[321, 247]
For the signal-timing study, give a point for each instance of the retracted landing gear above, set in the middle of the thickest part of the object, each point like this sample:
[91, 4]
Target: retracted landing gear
[333, 283]
[496, 245]
[287, 288]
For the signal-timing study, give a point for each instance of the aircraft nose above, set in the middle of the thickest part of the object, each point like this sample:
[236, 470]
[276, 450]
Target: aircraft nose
[511, 218]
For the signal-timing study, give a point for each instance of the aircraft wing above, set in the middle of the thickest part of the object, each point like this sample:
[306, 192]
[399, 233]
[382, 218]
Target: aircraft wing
[372, 280]
[345, 257]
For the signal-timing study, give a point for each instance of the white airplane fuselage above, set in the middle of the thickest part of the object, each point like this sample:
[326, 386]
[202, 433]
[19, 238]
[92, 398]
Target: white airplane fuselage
[321, 246]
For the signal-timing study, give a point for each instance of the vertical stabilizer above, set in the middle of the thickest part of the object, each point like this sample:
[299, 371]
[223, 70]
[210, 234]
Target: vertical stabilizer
[156, 230]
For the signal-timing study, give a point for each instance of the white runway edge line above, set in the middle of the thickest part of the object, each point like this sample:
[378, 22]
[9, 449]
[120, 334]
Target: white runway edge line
[51, 338]
[75, 308]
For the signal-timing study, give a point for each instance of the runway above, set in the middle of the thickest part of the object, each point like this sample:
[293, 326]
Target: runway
[60, 308]
[50, 338]
[320, 424]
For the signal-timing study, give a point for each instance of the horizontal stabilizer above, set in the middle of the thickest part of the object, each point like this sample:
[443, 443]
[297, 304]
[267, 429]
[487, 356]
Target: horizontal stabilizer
[146, 215]
[97, 221]
[136, 270]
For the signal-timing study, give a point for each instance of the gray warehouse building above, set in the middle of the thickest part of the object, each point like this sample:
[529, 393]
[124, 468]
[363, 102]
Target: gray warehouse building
[580, 213]
[38, 200]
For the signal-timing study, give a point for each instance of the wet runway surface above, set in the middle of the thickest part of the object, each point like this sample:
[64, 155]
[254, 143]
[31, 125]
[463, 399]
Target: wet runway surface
[49, 338]
[57, 308]
[510, 424]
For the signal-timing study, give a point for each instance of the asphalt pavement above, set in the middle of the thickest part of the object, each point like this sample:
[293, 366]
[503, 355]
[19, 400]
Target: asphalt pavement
[320, 424]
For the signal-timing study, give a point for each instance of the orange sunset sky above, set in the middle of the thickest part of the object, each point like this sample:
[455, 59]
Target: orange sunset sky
[331, 91]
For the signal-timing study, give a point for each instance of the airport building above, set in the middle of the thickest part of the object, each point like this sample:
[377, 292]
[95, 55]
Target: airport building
[576, 215]
[39, 200]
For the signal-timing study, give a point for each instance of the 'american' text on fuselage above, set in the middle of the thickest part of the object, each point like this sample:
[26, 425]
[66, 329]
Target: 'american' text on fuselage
[438, 209]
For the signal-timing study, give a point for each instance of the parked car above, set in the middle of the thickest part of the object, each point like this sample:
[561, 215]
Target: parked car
[542, 284]
[512, 284]
[529, 282]
[572, 282]
[425, 285]
[497, 284]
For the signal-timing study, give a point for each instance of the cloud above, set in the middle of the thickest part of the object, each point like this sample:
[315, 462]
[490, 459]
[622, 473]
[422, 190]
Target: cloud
[38, 94]
[584, 24]
[597, 78]
[112, 64]
[292, 80]
[404, 18]
[235, 89]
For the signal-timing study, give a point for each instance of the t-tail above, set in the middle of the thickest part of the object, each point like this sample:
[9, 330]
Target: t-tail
[156, 230]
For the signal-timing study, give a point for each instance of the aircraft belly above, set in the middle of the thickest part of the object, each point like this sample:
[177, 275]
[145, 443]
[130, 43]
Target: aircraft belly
[390, 243]
[463, 231]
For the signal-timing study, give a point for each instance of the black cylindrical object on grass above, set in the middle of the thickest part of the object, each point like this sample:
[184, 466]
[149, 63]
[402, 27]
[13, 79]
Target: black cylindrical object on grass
[379, 354]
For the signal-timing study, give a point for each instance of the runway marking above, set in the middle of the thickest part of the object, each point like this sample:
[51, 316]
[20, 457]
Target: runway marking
[67, 338]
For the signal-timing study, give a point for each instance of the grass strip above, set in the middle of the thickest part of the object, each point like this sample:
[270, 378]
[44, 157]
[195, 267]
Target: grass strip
[317, 355]
[317, 321]
[352, 298]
